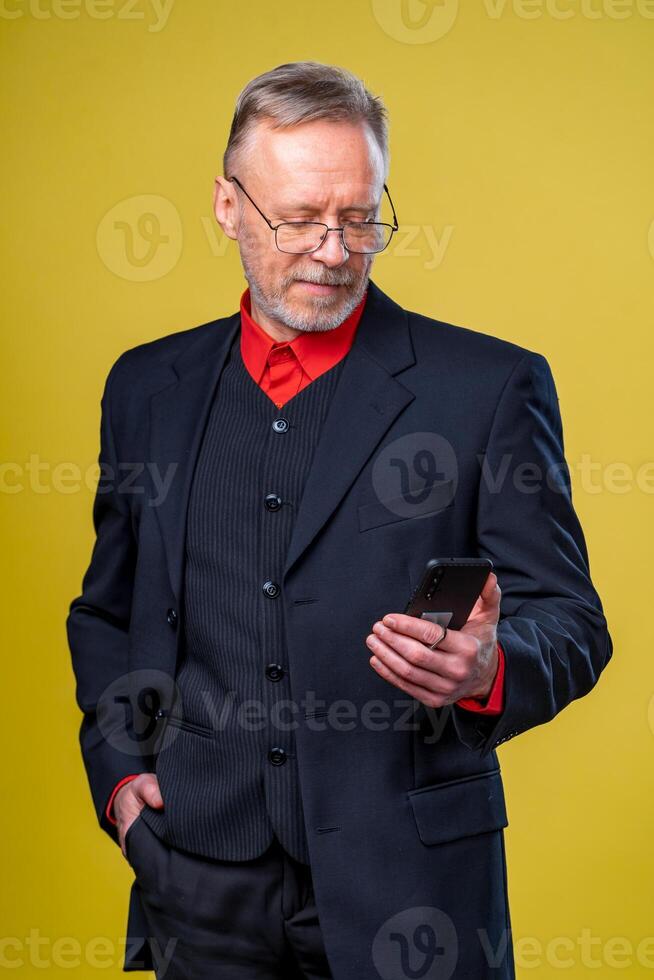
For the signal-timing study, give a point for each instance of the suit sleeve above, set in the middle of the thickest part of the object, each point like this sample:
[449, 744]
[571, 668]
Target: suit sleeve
[552, 627]
[97, 630]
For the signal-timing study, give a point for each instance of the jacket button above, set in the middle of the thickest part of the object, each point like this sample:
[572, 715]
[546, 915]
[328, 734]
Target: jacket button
[274, 672]
[280, 425]
[277, 756]
[272, 501]
[171, 618]
[271, 589]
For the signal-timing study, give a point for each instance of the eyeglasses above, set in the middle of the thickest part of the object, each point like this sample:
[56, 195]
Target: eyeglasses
[300, 237]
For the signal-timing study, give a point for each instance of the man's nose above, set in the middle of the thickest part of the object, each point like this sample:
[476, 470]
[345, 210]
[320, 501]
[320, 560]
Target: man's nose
[332, 252]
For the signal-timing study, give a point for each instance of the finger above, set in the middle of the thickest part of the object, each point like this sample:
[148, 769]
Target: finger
[423, 676]
[422, 630]
[434, 699]
[442, 661]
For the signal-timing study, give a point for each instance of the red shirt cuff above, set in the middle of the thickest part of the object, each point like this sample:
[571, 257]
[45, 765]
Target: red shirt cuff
[494, 702]
[109, 811]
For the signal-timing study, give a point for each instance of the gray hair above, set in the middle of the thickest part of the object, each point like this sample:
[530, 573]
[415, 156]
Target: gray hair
[303, 91]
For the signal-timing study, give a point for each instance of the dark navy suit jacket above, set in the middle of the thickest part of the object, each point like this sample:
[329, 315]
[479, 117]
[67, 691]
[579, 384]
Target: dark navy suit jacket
[404, 805]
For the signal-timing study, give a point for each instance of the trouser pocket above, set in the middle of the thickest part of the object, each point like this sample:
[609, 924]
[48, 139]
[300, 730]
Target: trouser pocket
[130, 832]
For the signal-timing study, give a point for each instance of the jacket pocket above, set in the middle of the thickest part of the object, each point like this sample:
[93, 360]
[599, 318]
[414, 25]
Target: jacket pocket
[188, 726]
[459, 808]
[403, 507]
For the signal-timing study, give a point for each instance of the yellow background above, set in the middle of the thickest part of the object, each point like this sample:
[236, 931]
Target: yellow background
[521, 142]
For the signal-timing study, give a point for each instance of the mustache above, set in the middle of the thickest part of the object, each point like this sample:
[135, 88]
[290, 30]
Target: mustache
[325, 280]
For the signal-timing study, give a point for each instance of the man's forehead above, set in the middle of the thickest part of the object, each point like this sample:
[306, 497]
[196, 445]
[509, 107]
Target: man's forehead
[323, 199]
[302, 166]
[316, 192]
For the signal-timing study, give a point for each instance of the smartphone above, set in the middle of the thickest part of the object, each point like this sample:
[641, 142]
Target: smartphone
[449, 589]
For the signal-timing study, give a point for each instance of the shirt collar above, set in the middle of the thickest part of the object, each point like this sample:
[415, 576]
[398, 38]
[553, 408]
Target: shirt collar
[316, 351]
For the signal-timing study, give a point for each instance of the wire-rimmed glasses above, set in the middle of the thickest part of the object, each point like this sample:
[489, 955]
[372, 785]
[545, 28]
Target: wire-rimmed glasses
[300, 237]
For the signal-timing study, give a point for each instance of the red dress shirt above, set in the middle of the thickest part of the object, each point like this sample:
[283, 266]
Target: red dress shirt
[282, 369]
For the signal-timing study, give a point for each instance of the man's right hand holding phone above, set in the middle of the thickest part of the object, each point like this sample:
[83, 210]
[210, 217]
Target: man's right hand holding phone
[464, 666]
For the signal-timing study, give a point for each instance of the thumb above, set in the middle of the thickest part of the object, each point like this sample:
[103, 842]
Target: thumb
[488, 601]
[491, 593]
[488, 591]
[152, 794]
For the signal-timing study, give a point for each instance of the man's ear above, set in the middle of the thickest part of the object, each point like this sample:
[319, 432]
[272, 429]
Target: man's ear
[225, 206]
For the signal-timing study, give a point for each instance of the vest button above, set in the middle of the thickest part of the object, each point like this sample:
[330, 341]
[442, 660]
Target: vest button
[272, 501]
[271, 589]
[171, 618]
[277, 756]
[280, 425]
[274, 672]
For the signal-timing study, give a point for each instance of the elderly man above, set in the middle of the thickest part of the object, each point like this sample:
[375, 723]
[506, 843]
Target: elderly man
[302, 777]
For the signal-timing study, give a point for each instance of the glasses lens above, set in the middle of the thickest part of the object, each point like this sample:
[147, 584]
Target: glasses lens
[358, 236]
[366, 236]
[299, 236]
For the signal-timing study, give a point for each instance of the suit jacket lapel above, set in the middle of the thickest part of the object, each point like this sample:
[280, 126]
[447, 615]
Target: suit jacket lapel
[365, 404]
[178, 415]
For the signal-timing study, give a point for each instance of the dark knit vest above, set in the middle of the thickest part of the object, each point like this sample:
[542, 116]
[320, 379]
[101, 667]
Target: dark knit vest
[225, 791]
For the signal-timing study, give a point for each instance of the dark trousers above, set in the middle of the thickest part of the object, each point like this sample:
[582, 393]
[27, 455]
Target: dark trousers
[237, 920]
